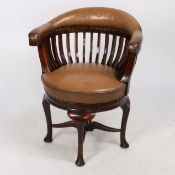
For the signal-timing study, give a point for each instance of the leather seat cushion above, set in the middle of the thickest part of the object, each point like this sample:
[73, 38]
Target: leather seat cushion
[86, 83]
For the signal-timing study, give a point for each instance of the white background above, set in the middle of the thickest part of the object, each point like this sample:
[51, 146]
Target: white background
[151, 126]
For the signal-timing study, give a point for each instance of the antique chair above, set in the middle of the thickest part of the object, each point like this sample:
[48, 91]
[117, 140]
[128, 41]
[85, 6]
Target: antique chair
[95, 81]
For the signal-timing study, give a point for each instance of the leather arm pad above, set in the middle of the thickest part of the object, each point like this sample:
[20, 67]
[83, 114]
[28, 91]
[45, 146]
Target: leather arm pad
[37, 34]
[135, 42]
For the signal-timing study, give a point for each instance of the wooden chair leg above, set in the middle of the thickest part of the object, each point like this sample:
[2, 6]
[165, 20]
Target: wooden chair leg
[81, 134]
[46, 107]
[126, 108]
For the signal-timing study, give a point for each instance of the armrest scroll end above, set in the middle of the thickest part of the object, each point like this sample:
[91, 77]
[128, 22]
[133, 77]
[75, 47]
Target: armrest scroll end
[38, 34]
[135, 42]
[34, 39]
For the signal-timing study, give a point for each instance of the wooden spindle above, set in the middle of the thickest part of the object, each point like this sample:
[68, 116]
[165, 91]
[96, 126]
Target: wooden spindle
[50, 55]
[76, 47]
[91, 47]
[54, 49]
[105, 49]
[109, 63]
[63, 59]
[68, 48]
[119, 51]
[43, 55]
[98, 48]
[124, 55]
[84, 45]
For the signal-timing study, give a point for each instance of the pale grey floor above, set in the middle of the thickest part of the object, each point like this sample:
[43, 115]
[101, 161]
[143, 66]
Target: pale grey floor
[151, 134]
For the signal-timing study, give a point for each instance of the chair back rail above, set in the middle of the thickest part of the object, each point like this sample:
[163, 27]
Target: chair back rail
[100, 47]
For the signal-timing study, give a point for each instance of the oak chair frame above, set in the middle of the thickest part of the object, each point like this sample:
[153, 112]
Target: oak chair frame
[81, 115]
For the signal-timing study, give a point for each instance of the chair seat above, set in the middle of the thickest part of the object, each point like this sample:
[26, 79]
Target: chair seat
[86, 83]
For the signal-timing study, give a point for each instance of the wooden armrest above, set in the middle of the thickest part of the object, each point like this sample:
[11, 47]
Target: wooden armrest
[133, 49]
[37, 34]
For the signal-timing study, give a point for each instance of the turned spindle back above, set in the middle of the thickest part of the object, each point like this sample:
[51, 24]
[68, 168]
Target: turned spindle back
[90, 45]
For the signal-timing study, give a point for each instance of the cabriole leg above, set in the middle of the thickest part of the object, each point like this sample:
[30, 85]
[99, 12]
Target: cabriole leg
[126, 108]
[46, 107]
[81, 135]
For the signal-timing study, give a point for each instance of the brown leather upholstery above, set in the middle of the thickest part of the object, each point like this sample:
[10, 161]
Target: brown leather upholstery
[100, 83]
[94, 16]
[84, 83]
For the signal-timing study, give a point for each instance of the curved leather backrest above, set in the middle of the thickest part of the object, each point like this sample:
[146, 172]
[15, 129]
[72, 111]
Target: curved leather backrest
[99, 17]
[92, 17]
